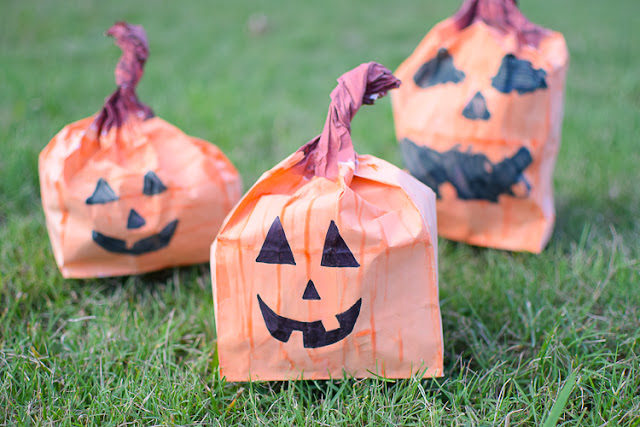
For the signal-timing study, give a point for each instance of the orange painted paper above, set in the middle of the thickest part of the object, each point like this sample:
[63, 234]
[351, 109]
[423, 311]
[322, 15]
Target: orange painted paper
[497, 125]
[125, 192]
[387, 221]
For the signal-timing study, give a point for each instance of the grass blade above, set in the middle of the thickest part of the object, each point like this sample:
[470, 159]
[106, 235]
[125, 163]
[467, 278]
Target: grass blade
[561, 401]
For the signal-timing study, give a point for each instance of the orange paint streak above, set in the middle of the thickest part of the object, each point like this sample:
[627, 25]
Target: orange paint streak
[283, 352]
[363, 333]
[65, 217]
[436, 317]
[284, 355]
[385, 243]
[64, 210]
[363, 240]
[248, 325]
[239, 295]
[307, 252]
[279, 273]
[279, 283]
[307, 238]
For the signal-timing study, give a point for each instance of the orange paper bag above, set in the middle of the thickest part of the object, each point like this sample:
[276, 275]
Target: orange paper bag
[328, 264]
[125, 192]
[479, 119]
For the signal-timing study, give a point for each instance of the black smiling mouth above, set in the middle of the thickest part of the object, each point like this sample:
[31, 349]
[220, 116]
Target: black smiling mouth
[148, 244]
[313, 333]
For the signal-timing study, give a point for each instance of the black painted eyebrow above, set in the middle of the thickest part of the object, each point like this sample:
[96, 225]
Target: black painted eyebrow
[276, 249]
[336, 253]
[438, 70]
[519, 75]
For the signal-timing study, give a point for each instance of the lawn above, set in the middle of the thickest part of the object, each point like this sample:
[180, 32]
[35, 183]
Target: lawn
[529, 339]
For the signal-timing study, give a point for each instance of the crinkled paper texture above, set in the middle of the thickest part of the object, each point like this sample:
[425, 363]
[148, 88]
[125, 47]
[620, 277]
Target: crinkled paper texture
[387, 219]
[201, 188]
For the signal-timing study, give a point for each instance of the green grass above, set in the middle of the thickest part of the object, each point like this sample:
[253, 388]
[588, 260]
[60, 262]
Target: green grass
[552, 339]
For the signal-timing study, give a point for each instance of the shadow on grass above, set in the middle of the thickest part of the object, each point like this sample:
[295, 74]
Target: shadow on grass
[337, 392]
[174, 280]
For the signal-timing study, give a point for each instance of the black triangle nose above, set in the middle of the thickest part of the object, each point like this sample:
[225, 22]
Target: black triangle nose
[476, 109]
[310, 292]
[135, 220]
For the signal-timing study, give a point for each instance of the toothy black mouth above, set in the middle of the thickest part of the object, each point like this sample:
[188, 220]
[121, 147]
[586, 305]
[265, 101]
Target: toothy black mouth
[473, 175]
[313, 333]
[148, 244]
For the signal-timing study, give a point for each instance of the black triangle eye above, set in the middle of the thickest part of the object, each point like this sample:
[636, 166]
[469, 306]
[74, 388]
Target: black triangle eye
[518, 75]
[438, 70]
[152, 184]
[336, 253]
[102, 194]
[276, 249]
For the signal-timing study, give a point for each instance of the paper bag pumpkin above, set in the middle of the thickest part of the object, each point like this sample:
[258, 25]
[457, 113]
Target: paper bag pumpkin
[328, 264]
[479, 118]
[125, 192]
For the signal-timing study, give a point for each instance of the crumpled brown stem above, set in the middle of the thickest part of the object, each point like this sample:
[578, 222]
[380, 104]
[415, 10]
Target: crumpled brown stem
[124, 102]
[503, 15]
[362, 85]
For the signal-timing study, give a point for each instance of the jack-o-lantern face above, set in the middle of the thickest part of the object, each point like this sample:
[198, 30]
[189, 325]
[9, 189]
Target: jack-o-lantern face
[473, 175]
[103, 194]
[125, 192]
[336, 254]
[479, 121]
